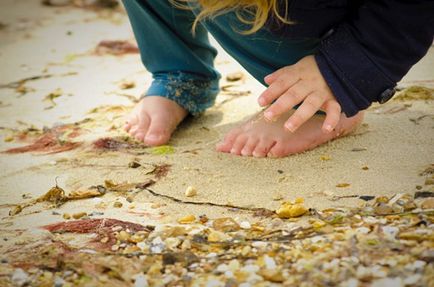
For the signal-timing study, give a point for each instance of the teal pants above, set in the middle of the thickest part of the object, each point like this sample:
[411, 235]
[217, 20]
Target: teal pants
[182, 63]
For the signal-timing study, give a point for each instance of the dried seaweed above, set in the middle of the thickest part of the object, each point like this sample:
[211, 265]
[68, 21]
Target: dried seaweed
[160, 170]
[93, 225]
[116, 47]
[55, 140]
[116, 144]
[22, 82]
[57, 196]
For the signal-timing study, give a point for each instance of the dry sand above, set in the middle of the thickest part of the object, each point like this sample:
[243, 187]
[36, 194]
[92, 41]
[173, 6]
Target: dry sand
[39, 40]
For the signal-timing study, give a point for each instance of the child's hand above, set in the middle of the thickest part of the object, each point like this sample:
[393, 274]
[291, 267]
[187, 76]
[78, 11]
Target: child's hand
[300, 83]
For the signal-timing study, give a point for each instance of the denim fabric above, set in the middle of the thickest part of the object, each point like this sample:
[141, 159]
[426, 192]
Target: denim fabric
[182, 63]
[362, 47]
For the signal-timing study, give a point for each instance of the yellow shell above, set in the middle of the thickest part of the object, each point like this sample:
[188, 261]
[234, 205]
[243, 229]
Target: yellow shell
[187, 219]
[288, 210]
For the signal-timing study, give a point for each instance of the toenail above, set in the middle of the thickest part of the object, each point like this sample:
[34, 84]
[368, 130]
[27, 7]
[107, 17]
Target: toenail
[152, 137]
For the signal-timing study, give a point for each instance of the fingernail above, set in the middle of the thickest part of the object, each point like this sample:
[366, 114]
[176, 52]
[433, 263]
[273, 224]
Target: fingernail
[261, 101]
[328, 128]
[269, 115]
[289, 127]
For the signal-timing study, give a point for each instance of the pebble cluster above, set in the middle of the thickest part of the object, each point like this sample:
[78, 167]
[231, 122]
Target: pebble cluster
[389, 242]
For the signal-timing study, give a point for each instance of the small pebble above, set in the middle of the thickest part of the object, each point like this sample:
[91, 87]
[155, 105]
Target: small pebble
[19, 277]
[289, 210]
[79, 215]
[427, 203]
[203, 218]
[385, 282]
[245, 225]
[59, 282]
[141, 281]
[190, 191]
[423, 194]
[222, 268]
[246, 250]
[233, 77]
[123, 236]
[117, 204]
[143, 246]
[66, 216]
[104, 240]
[217, 236]
[187, 219]
[412, 280]
[366, 197]
[269, 262]
[383, 209]
[225, 224]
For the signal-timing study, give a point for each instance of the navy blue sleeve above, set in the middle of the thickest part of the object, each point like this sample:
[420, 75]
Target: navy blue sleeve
[364, 57]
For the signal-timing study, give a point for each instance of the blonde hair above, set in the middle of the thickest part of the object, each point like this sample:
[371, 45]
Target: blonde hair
[254, 13]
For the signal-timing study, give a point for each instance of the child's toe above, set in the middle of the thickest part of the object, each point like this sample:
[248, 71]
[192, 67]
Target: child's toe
[239, 144]
[228, 142]
[263, 147]
[249, 146]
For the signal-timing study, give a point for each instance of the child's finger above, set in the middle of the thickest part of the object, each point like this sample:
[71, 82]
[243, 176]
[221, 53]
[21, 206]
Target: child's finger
[310, 106]
[287, 101]
[276, 89]
[333, 114]
[269, 79]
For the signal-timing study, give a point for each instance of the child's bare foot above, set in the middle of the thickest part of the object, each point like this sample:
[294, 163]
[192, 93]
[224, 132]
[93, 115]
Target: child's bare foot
[154, 119]
[260, 138]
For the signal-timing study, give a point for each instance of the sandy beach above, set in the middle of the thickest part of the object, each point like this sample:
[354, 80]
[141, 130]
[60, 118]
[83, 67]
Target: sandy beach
[59, 79]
